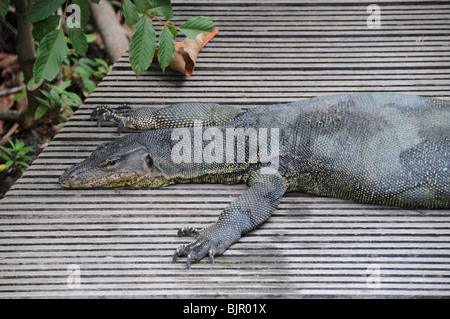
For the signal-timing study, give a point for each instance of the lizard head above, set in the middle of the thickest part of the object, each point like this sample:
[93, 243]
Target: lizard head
[133, 160]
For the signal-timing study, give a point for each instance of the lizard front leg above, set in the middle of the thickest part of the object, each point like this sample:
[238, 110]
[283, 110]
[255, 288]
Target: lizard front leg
[244, 214]
[126, 116]
[173, 116]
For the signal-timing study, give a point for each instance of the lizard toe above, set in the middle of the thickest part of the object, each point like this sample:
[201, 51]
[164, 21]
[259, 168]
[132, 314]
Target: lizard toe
[196, 250]
[211, 241]
[124, 108]
[119, 116]
[188, 231]
[98, 111]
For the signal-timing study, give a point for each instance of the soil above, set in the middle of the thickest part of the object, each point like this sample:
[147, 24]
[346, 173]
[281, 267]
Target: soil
[11, 77]
[37, 137]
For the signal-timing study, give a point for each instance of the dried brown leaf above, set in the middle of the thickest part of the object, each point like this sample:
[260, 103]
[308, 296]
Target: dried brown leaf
[187, 51]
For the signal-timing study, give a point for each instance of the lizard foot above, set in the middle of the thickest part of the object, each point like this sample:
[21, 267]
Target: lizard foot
[119, 115]
[206, 242]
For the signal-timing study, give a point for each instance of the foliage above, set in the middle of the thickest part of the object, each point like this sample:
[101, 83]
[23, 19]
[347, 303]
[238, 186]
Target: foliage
[58, 100]
[15, 156]
[83, 71]
[4, 7]
[51, 29]
[53, 47]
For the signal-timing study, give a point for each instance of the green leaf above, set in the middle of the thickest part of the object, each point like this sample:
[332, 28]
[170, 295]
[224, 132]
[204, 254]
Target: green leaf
[89, 85]
[19, 144]
[41, 28]
[142, 5]
[162, 8]
[95, 1]
[9, 163]
[6, 149]
[91, 37]
[40, 111]
[5, 157]
[29, 149]
[32, 85]
[87, 62]
[54, 87]
[41, 9]
[166, 48]
[4, 8]
[129, 12]
[11, 142]
[196, 25]
[43, 102]
[78, 40]
[67, 108]
[85, 12]
[19, 96]
[65, 84]
[21, 153]
[102, 62]
[23, 164]
[47, 94]
[50, 54]
[73, 97]
[173, 29]
[142, 45]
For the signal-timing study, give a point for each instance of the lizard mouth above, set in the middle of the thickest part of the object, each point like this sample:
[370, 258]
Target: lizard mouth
[70, 179]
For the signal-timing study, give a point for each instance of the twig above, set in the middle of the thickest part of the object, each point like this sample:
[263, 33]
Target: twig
[11, 91]
[9, 26]
[114, 36]
[10, 132]
[10, 115]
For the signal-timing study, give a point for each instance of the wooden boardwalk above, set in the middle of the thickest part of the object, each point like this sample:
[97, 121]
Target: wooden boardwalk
[120, 241]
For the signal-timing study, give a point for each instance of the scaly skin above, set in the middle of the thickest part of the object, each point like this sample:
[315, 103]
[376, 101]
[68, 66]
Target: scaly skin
[377, 148]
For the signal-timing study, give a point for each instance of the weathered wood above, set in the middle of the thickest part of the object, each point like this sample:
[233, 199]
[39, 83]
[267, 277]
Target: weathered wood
[266, 52]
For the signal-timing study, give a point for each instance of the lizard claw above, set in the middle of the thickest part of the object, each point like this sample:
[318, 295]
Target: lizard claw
[118, 116]
[120, 127]
[188, 261]
[98, 110]
[212, 252]
[100, 120]
[188, 231]
[196, 250]
[207, 242]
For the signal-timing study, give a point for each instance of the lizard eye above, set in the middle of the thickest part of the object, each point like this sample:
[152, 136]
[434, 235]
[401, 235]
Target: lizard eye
[111, 163]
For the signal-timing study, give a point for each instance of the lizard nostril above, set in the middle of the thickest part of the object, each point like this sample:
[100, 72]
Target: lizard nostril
[66, 181]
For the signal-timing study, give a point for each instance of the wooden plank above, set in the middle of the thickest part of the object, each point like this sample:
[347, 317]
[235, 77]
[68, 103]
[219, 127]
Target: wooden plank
[123, 239]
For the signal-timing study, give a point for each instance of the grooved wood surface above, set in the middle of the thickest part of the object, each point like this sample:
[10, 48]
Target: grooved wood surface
[120, 241]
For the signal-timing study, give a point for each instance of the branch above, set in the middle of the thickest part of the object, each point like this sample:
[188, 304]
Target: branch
[10, 115]
[114, 36]
[7, 92]
[4, 139]
[26, 55]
